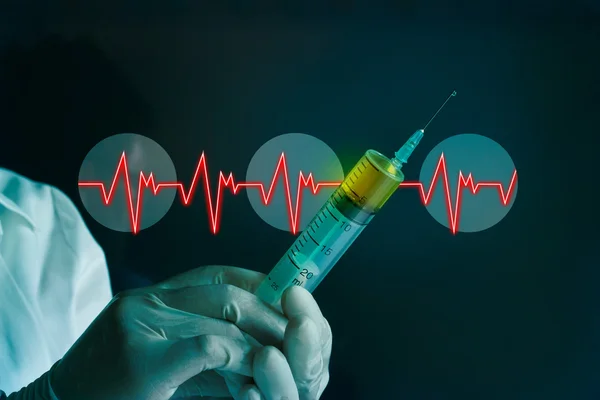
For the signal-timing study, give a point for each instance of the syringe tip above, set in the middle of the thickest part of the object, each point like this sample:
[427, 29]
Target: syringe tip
[411, 144]
[417, 136]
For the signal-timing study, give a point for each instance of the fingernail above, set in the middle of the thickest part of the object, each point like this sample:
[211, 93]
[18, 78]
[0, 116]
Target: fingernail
[306, 325]
[303, 328]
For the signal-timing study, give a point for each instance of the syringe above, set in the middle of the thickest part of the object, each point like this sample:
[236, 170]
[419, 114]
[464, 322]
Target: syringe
[367, 187]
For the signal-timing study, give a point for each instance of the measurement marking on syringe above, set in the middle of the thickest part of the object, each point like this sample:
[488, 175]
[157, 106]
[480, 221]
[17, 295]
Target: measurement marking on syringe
[300, 240]
[334, 200]
[313, 239]
[304, 237]
[330, 213]
[319, 217]
[296, 246]
[355, 175]
[292, 261]
[353, 192]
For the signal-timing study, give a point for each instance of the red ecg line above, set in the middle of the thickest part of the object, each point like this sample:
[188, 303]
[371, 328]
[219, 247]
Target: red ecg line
[214, 209]
[463, 183]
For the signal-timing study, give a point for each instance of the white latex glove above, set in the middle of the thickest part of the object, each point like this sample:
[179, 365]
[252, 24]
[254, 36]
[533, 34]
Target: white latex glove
[308, 337]
[147, 343]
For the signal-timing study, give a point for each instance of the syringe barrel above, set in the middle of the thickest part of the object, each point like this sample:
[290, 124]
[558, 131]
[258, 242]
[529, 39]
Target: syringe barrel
[372, 181]
[366, 188]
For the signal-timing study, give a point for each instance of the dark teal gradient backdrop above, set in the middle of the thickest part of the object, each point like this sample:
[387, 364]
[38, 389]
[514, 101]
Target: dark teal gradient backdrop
[509, 313]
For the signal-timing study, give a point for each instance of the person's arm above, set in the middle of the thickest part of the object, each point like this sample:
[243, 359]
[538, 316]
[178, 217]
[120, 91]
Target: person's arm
[92, 291]
[91, 283]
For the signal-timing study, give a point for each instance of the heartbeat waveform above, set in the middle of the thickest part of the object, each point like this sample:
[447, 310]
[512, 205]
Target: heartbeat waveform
[293, 210]
[463, 183]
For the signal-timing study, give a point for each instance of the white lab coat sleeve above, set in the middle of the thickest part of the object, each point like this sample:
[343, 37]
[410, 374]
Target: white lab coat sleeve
[54, 279]
[92, 294]
[92, 291]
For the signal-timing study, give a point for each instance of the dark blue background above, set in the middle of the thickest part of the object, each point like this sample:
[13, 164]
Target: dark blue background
[510, 313]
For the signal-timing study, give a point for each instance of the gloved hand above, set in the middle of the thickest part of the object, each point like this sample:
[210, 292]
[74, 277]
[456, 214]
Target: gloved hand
[307, 343]
[196, 334]
[308, 337]
[147, 343]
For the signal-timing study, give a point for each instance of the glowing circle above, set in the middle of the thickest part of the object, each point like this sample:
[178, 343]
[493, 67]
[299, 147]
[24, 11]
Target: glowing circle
[489, 165]
[303, 153]
[100, 166]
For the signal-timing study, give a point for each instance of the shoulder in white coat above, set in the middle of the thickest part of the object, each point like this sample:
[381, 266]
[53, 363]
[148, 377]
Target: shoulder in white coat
[53, 278]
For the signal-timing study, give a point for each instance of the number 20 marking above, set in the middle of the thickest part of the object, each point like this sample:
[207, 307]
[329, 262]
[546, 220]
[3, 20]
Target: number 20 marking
[306, 273]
